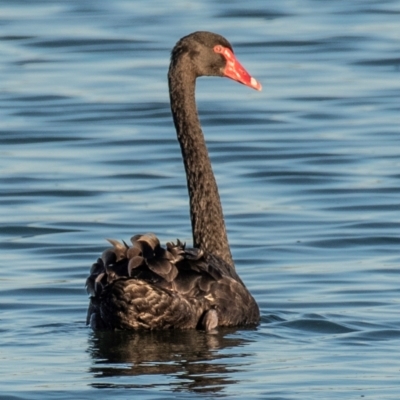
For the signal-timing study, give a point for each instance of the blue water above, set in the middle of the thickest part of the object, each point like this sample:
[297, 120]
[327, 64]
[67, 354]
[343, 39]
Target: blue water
[308, 172]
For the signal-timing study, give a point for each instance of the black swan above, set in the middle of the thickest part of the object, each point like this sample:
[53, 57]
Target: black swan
[146, 286]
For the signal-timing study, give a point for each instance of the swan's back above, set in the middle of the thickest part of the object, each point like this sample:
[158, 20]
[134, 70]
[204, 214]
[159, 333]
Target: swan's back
[144, 286]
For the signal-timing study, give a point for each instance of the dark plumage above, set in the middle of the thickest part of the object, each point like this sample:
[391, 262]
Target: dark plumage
[144, 286]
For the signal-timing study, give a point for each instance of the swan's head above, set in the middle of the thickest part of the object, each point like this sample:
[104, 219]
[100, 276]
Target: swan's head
[210, 54]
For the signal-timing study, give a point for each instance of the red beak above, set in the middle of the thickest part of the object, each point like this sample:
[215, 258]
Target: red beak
[235, 70]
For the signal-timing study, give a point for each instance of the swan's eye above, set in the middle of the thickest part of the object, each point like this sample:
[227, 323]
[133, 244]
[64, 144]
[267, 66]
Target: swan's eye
[227, 53]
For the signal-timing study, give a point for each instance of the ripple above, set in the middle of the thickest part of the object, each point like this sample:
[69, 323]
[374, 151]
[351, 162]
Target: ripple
[260, 13]
[317, 326]
[27, 231]
[384, 62]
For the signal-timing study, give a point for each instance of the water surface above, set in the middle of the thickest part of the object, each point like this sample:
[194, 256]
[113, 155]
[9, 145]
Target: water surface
[308, 172]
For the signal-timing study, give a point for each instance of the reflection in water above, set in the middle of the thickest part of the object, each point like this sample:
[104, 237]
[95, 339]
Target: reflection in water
[185, 360]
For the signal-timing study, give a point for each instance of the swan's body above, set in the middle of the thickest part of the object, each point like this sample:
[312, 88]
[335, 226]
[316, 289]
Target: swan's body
[144, 286]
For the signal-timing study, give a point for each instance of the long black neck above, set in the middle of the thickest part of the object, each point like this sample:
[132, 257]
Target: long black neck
[208, 226]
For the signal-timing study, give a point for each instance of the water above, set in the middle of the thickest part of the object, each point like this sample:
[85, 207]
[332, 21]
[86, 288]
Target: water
[308, 172]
